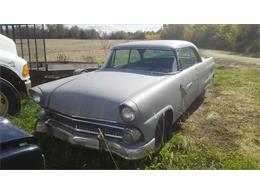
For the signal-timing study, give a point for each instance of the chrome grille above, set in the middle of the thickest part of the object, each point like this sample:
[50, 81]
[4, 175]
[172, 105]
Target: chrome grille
[84, 126]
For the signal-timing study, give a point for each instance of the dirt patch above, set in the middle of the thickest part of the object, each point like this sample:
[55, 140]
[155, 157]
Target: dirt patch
[225, 63]
[225, 59]
[231, 56]
[226, 120]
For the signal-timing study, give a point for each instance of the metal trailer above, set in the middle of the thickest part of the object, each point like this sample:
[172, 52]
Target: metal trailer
[30, 40]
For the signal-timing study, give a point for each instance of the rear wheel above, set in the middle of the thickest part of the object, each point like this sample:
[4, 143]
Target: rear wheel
[159, 135]
[202, 95]
[9, 99]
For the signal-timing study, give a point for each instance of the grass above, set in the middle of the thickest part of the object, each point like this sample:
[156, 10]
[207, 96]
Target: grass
[26, 118]
[175, 156]
[222, 133]
[235, 79]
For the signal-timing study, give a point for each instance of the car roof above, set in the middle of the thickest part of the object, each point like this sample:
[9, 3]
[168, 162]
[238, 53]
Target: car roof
[156, 44]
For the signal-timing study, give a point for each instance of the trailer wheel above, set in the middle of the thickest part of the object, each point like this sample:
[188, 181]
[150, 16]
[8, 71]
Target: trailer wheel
[10, 102]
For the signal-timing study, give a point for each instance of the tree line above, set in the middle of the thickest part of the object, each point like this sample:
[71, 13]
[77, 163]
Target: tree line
[75, 32]
[244, 38]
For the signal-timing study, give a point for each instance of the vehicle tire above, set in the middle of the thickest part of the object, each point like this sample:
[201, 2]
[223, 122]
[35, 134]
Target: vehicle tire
[168, 125]
[168, 130]
[10, 102]
[202, 96]
[159, 135]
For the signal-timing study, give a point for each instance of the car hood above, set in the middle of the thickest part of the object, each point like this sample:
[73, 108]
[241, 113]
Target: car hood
[98, 94]
[10, 133]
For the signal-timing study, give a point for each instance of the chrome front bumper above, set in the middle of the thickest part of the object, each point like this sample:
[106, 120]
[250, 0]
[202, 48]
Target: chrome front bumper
[128, 153]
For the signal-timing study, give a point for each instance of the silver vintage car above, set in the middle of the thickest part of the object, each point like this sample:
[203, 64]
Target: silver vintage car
[129, 105]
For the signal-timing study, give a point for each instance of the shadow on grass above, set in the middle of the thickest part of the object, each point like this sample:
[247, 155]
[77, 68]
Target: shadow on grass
[62, 155]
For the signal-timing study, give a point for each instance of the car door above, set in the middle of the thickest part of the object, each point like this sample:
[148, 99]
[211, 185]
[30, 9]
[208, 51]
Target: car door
[205, 71]
[188, 76]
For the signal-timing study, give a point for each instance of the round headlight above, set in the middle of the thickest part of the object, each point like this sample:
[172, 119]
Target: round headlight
[36, 94]
[36, 97]
[127, 114]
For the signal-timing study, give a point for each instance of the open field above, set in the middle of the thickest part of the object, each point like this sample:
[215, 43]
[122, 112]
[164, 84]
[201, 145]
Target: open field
[81, 50]
[72, 49]
[220, 132]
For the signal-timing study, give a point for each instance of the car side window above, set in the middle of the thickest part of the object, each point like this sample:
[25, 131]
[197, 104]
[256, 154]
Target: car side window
[187, 57]
[150, 54]
[134, 56]
[120, 57]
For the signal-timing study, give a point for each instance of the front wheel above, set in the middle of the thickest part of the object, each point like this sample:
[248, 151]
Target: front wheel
[159, 135]
[10, 102]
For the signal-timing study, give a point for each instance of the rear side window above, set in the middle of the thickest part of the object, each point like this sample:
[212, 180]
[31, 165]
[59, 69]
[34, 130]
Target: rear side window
[187, 57]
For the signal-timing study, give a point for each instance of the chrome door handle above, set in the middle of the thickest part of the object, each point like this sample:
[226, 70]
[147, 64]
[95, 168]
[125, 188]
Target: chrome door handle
[189, 85]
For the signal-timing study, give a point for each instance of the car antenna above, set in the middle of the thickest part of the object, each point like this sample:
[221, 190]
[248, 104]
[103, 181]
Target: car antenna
[102, 137]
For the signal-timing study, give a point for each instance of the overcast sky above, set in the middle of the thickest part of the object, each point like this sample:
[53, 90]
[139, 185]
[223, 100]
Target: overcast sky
[125, 27]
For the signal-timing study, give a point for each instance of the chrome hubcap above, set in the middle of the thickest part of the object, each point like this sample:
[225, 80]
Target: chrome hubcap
[4, 104]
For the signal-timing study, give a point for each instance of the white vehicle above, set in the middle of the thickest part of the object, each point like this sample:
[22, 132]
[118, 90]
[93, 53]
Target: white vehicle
[14, 77]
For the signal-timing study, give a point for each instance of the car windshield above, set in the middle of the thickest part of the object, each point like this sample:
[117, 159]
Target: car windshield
[154, 60]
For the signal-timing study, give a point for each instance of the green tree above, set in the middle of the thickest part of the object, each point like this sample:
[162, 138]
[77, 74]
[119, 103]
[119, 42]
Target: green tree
[225, 37]
[75, 32]
[248, 38]
[56, 30]
[173, 31]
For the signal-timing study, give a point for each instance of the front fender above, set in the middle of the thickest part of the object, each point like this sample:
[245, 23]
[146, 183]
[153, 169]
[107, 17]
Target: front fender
[149, 126]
